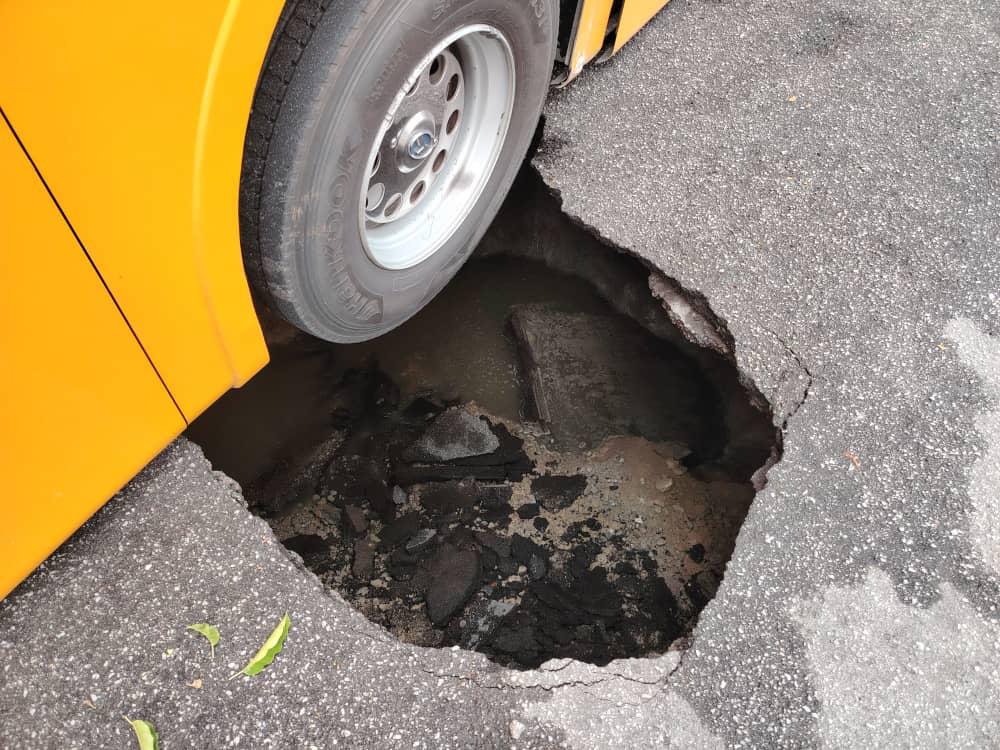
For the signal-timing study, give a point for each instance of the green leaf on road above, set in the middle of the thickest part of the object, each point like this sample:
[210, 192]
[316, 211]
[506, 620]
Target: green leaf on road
[145, 733]
[209, 631]
[271, 648]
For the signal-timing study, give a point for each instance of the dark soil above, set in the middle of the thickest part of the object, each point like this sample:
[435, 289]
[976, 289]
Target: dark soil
[413, 541]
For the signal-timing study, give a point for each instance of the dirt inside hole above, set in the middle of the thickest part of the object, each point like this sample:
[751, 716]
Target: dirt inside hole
[537, 465]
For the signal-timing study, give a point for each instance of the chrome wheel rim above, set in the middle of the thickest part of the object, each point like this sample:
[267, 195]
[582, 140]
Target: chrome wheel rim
[437, 147]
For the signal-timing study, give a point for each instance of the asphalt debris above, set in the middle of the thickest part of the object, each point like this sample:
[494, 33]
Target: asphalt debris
[450, 526]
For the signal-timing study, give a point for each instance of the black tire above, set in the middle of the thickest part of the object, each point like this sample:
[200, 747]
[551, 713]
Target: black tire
[332, 72]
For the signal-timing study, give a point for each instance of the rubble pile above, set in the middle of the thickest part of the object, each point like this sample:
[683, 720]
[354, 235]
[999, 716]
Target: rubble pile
[596, 530]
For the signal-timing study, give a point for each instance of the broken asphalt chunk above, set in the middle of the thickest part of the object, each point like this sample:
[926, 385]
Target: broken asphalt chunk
[355, 518]
[449, 497]
[528, 510]
[399, 530]
[558, 492]
[419, 541]
[455, 575]
[454, 434]
[594, 376]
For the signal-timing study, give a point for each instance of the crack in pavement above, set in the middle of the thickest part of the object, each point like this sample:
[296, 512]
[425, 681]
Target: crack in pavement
[800, 402]
[581, 683]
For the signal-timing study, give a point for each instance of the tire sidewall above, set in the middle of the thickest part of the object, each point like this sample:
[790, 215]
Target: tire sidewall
[347, 78]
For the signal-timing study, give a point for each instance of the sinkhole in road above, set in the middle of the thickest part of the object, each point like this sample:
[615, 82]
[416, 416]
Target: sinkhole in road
[540, 464]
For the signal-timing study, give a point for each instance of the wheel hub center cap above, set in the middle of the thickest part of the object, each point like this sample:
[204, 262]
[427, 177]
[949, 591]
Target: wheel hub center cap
[421, 145]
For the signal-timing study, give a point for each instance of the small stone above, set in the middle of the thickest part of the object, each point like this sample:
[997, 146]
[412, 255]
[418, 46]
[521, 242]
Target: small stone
[398, 495]
[522, 569]
[492, 541]
[523, 549]
[400, 530]
[664, 484]
[516, 729]
[329, 514]
[364, 559]
[537, 567]
[528, 510]
[420, 540]
[356, 520]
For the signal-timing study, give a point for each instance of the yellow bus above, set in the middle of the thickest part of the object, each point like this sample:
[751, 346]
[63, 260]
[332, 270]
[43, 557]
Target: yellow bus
[343, 156]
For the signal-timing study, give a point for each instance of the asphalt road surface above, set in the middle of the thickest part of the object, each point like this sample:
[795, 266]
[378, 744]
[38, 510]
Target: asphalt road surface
[825, 174]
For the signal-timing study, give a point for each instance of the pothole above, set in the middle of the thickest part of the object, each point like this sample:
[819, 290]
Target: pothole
[538, 465]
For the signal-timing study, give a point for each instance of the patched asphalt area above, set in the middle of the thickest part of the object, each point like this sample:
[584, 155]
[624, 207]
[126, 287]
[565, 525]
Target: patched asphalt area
[825, 175]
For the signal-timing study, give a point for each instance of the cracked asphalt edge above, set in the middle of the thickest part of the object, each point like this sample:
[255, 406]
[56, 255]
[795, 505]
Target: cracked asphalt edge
[177, 546]
[775, 160]
[99, 631]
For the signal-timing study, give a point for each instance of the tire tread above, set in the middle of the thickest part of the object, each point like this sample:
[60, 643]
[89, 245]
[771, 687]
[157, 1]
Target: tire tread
[309, 49]
[303, 16]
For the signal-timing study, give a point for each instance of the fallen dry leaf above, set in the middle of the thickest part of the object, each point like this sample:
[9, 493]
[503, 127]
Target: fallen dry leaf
[196, 683]
[853, 458]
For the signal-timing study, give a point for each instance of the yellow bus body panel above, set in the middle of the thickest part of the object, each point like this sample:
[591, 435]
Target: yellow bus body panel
[590, 32]
[135, 115]
[592, 29]
[635, 15]
[83, 410]
[128, 314]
